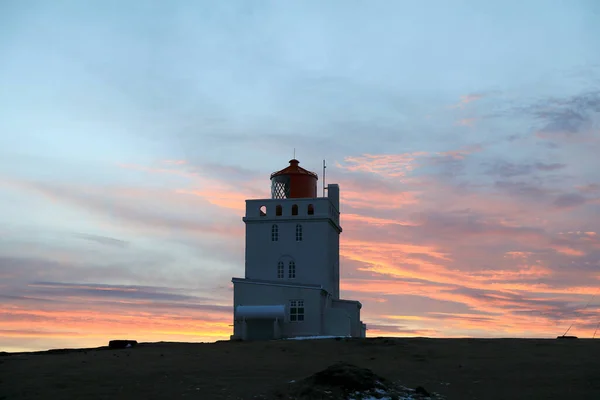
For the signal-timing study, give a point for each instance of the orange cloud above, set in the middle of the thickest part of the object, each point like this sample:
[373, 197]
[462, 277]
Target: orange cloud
[381, 201]
[96, 326]
[466, 99]
[388, 165]
[174, 162]
[354, 218]
[214, 191]
[462, 104]
[404, 237]
[466, 121]
[399, 165]
[568, 251]
[518, 254]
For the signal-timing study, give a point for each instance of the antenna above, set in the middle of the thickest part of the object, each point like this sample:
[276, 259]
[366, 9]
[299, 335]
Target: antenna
[294, 153]
[324, 166]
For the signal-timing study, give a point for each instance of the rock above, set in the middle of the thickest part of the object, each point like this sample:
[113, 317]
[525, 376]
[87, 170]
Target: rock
[420, 390]
[347, 377]
[121, 344]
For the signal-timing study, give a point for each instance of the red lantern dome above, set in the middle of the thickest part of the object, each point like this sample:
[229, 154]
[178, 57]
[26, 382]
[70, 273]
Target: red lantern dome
[293, 182]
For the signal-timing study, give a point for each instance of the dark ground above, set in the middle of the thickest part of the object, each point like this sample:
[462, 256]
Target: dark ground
[456, 368]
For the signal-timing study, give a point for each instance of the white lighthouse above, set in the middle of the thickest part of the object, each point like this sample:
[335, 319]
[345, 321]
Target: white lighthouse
[292, 274]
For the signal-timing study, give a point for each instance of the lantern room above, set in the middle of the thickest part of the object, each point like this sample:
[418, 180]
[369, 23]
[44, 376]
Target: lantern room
[293, 182]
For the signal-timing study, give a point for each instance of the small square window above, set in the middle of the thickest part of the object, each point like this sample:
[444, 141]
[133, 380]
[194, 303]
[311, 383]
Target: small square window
[296, 310]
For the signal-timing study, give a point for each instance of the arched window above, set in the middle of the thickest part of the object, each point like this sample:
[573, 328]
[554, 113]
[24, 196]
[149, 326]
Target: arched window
[311, 209]
[278, 210]
[280, 270]
[292, 270]
[295, 209]
[274, 233]
[263, 211]
[298, 233]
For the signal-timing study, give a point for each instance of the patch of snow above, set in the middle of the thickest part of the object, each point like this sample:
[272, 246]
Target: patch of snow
[398, 391]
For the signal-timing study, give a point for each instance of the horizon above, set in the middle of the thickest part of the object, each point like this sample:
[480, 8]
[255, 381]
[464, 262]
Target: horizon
[464, 138]
[106, 346]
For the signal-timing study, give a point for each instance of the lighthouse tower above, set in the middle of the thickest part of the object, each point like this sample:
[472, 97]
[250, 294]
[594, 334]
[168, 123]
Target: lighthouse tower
[291, 285]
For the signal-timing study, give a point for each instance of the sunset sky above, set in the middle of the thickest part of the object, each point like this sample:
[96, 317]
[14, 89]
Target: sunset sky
[464, 135]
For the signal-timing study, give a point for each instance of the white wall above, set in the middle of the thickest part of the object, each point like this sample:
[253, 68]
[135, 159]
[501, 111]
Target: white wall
[353, 311]
[337, 322]
[250, 294]
[316, 256]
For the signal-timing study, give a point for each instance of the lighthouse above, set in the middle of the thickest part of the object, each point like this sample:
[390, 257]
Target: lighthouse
[291, 286]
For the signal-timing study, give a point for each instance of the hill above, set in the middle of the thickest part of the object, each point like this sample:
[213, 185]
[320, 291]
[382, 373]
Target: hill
[455, 368]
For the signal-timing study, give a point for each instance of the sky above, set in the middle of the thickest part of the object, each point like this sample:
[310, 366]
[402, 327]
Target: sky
[464, 136]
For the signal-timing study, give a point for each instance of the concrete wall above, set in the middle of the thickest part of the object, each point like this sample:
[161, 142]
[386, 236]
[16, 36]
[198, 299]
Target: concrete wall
[316, 257]
[352, 308]
[337, 322]
[252, 294]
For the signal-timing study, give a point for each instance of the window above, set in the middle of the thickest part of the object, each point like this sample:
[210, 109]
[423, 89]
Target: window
[311, 209]
[292, 270]
[278, 210]
[280, 270]
[263, 211]
[274, 233]
[296, 310]
[298, 233]
[295, 209]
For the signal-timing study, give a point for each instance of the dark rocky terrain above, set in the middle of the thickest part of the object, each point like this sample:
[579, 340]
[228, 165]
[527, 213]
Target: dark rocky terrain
[453, 368]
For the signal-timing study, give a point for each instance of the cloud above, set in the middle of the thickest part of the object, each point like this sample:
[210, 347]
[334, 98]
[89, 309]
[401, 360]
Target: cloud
[399, 331]
[567, 118]
[468, 98]
[111, 203]
[466, 122]
[220, 185]
[475, 254]
[482, 249]
[131, 292]
[392, 165]
[401, 166]
[464, 228]
[589, 188]
[569, 200]
[562, 123]
[506, 169]
[530, 190]
[105, 240]
[93, 313]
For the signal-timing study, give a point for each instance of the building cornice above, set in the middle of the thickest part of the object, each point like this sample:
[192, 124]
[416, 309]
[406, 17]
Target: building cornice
[271, 283]
[275, 220]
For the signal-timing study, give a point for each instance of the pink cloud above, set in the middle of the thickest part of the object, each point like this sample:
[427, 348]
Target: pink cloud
[491, 258]
[466, 99]
[466, 122]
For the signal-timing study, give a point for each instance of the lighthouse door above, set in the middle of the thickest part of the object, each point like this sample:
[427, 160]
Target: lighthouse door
[260, 329]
